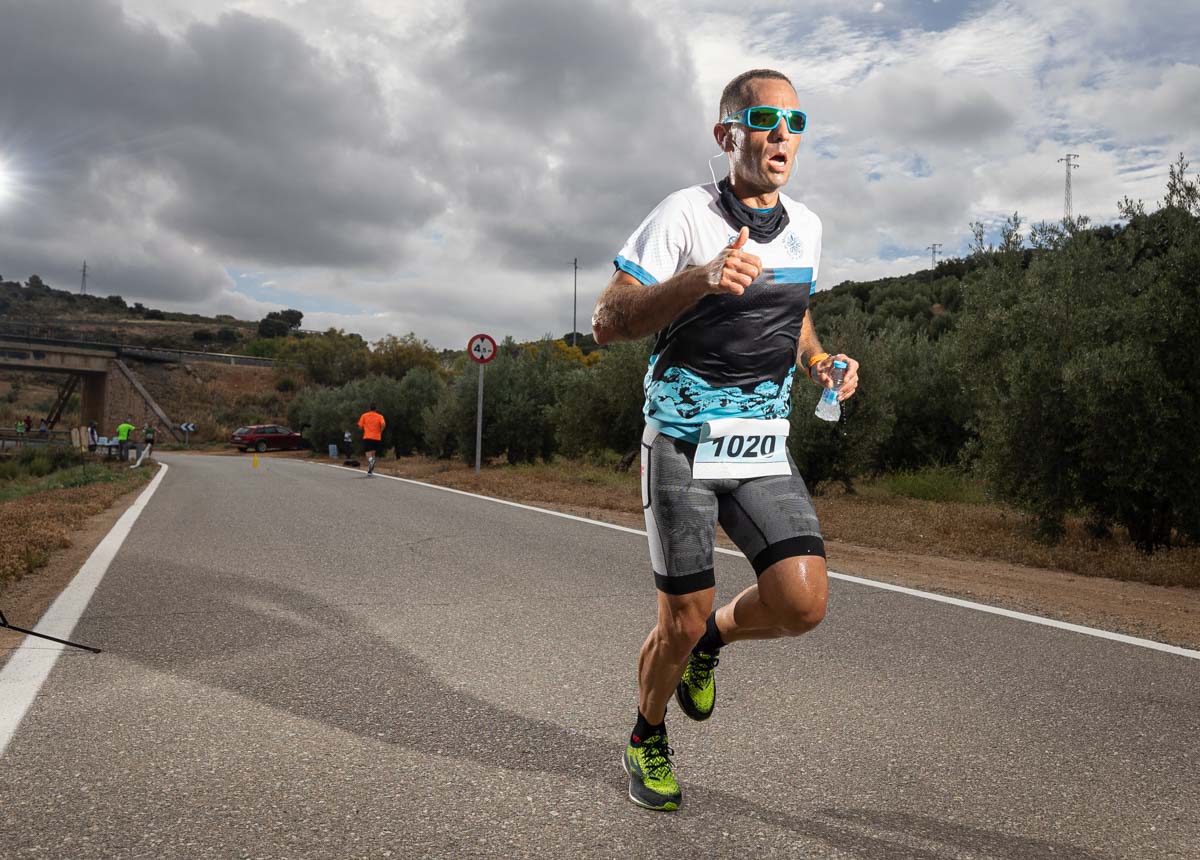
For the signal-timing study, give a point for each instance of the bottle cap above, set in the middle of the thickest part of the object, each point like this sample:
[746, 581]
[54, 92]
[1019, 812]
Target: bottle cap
[839, 363]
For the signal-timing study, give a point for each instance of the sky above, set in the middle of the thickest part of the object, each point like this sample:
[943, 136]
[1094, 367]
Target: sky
[389, 166]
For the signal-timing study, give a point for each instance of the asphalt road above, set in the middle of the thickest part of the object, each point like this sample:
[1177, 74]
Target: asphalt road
[300, 662]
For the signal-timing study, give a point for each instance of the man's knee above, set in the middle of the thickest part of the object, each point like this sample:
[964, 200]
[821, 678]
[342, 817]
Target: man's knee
[795, 591]
[799, 617]
[681, 627]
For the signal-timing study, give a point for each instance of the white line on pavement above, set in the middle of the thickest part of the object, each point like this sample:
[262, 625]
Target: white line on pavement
[25, 672]
[886, 586]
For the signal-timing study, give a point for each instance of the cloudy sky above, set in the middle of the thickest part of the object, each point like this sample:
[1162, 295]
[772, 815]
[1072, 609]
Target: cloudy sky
[400, 165]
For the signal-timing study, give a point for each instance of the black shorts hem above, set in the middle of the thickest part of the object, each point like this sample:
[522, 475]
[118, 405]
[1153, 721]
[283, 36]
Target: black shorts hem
[373, 445]
[685, 584]
[790, 548]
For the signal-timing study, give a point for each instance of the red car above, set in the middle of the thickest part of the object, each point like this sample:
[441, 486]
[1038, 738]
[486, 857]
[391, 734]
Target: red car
[261, 437]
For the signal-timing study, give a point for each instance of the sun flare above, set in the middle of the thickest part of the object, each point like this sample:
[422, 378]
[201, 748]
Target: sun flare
[7, 183]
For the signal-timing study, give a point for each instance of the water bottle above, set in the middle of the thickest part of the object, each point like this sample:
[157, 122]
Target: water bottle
[828, 407]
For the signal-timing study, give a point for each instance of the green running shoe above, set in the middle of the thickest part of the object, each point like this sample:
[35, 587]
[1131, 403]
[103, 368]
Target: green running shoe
[697, 690]
[651, 780]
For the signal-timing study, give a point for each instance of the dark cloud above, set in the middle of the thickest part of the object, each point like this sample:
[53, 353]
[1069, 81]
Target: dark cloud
[535, 131]
[922, 107]
[444, 163]
[563, 125]
[239, 138]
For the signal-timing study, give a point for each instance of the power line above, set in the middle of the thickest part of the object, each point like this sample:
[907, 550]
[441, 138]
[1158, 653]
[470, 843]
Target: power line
[575, 306]
[933, 252]
[83, 279]
[1068, 160]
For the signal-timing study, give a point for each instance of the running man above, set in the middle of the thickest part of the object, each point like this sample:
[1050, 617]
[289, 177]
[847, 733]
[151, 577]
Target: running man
[147, 445]
[723, 274]
[372, 424]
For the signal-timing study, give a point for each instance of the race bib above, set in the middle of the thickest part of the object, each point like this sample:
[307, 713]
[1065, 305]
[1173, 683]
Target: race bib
[742, 448]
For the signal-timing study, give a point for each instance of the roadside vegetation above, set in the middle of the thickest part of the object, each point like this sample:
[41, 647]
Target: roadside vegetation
[1043, 390]
[46, 493]
[1048, 381]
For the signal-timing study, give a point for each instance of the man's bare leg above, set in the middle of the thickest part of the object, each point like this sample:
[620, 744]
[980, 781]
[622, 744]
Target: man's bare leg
[788, 600]
[681, 619]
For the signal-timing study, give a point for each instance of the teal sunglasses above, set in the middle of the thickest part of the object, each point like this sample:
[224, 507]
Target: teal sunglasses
[765, 118]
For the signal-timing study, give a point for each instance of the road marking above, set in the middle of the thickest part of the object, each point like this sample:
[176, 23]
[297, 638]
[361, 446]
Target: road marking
[27, 669]
[886, 586]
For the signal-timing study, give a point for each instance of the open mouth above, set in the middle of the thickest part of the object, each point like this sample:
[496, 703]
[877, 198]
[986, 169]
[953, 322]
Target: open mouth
[778, 161]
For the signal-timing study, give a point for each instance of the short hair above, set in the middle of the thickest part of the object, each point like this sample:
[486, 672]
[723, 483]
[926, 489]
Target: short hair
[372, 407]
[736, 95]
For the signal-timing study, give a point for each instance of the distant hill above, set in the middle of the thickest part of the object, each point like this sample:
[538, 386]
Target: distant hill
[41, 310]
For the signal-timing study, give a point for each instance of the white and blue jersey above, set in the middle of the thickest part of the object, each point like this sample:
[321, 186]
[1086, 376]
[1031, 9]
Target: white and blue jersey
[729, 356]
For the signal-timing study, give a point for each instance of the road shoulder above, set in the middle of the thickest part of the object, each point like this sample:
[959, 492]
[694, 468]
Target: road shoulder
[26, 600]
[1161, 613]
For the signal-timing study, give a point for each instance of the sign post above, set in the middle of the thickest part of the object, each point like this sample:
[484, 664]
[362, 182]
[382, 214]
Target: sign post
[187, 429]
[482, 349]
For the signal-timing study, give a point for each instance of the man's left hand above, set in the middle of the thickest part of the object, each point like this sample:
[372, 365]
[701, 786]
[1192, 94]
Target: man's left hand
[823, 374]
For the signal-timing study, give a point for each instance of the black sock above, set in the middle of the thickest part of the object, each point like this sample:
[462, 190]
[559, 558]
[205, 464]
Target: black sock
[643, 729]
[711, 640]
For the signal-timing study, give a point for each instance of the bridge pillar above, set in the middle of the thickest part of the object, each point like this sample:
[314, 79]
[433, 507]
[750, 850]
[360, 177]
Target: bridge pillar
[91, 400]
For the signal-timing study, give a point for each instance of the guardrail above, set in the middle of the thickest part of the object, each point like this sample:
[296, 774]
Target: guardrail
[10, 438]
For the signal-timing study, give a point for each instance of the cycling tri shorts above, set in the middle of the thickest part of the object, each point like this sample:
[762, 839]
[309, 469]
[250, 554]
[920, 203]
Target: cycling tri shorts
[769, 518]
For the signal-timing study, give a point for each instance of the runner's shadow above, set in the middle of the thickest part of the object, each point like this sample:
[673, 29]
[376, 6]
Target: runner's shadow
[280, 647]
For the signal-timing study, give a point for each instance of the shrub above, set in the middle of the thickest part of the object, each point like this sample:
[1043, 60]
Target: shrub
[601, 406]
[936, 484]
[420, 389]
[521, 390]
[272, 327]
[1085, 366]
[334, 358]
[323, 415]
[396, 356]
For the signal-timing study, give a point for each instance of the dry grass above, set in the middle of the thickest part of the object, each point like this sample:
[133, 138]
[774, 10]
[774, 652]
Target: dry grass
[217, 397]
[992, 532]
[37, 524]
[948, 529]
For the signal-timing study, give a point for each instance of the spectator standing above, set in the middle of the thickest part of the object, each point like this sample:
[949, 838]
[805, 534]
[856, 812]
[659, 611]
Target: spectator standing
[93, 437]
[20, 431]
[43, 428]
[123, 430]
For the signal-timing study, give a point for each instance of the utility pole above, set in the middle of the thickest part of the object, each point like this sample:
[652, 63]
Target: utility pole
[1069, 161]
[83, 279]
[933, 252]
[575, 307]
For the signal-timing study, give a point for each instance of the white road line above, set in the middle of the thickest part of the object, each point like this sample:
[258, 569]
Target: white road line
[886, 586]
[29, 666]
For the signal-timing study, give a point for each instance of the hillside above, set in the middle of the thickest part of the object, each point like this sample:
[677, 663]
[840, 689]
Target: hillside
[37, 309]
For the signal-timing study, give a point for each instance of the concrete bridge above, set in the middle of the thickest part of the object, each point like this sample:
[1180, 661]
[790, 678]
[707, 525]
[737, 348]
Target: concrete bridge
[109, 392]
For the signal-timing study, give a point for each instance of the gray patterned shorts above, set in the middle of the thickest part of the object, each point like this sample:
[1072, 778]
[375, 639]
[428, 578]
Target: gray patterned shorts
[769, 518]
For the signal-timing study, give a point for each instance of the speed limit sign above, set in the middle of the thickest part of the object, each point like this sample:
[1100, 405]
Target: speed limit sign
[481, 348]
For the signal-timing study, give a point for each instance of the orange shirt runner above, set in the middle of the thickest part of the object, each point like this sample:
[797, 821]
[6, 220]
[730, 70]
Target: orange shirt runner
[372, 425]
